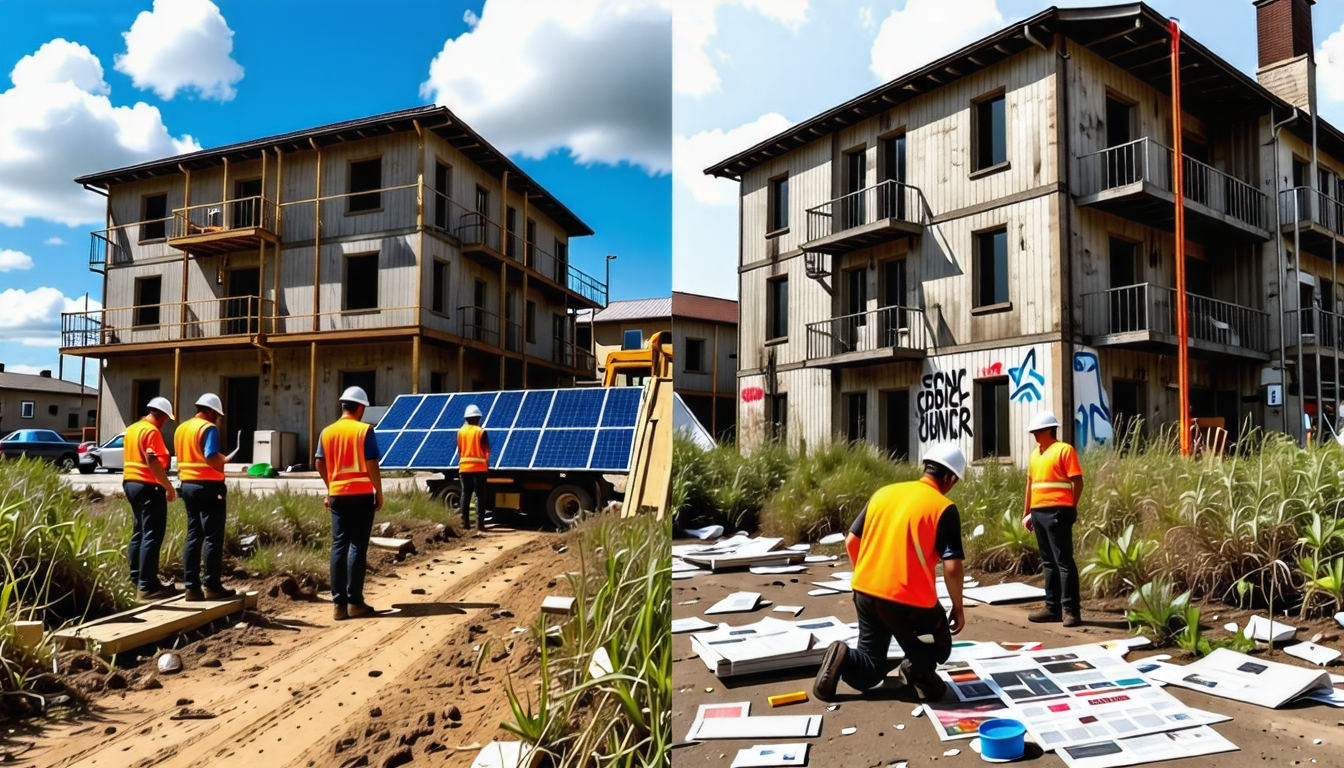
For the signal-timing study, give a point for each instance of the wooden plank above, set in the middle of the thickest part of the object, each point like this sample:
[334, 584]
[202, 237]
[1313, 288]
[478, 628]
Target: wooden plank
[150, 623]
[396, 545]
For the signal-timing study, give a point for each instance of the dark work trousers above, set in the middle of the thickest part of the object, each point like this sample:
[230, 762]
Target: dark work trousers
[149, 520]
[351, 524]
[879, 621]
[206, 501]
[1054, 536]
[474, 482]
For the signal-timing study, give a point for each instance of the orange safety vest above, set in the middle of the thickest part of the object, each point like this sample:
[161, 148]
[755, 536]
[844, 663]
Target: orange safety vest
[472, 455]
[1051, 475]
[343, 451]
[142, 437]
[896, 551]
[188, 442]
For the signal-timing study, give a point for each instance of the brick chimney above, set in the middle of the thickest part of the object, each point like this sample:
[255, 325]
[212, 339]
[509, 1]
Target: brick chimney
[1286, 50]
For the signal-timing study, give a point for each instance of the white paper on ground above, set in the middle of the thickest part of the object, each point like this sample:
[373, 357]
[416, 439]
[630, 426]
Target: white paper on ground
[771, 755]
[839, 585]
[680, 566]
[729, 711]
[1231, 675]
[738, 602]
[1336, 679]
[760, 727]
[685, 575]
[1334, 697]
[708, 532]
[1316, 654]
[693, 624]
[768, 570]
[1007, 592]
[821, 592]
[832, 538]
[794, 609]
[1171, 745]
[803, 547]
[504, 754]
[601, 663]
[1262, 629]
[1339, 618]
[820, 558]
[557, 604]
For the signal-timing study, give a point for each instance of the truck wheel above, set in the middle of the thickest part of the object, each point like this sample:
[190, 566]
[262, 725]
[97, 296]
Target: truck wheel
[449, 494]
[567, 504]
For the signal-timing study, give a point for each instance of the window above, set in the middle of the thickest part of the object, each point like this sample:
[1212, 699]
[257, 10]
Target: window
[436, 382]
[891, 197]
[557, 327]
[1126, 407]
[530, 322]
[155, 210]
[511, 330]
[991, 267]
[443, 176]
[438, 301]
[53, 410]
[511, 225]
[991, 141]
[853, 207]
[777, 309]
[1119, 116]
[892, 277]
[365, 380]
[72, 422]
[695, 356]
[361, 281]
[246, 205]
[777, 416]
[992, 411]
[856, 417]
[530, 247]
[632, 338]
[779, 203]
[1128, 302]
[365, 176]
[27, 409]
[483, 201]
[147, 293]
[583, 337]
[561, 275]
[476, 321]
[896, 438]
[92, 419]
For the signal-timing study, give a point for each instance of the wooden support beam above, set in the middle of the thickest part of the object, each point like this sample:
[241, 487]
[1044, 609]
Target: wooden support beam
[149, 623]
[461, 361]
[312, 403]
[279, 230]
[317, 244]
[177, 378]
[415, 364]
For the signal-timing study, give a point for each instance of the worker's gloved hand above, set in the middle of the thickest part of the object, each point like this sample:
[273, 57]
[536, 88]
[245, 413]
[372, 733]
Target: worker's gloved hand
[1026, 523]
[956, 619]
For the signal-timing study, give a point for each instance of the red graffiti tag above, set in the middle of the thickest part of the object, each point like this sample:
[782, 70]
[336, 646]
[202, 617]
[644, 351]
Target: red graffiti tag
[752, 394]
[992, 370]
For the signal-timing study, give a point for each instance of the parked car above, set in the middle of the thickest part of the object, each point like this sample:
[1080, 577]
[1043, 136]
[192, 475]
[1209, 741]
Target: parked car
[40, 444]
[109, 455]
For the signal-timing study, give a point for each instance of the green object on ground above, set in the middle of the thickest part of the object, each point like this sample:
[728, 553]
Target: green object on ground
[262, 470]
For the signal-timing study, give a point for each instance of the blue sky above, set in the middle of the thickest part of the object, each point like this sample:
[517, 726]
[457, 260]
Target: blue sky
[745, 70]
[580, 100]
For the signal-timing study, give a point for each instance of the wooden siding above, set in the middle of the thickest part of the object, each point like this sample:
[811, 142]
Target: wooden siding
[683, 329]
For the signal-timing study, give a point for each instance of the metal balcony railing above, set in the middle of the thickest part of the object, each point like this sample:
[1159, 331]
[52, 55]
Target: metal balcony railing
[173, 321]
[1152, 308]
[570, 355]
[1144, 160]
[513, 336]
[1313, 327]
[479, 325]
[244, 213]
[887, 200]
[1306, 206]
[886, 328]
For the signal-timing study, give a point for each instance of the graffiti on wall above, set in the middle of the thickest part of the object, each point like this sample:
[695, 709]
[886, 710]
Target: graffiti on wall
[1028, 383]
[1092, 409]
[993, 369]
[944, 406]
[752, 394]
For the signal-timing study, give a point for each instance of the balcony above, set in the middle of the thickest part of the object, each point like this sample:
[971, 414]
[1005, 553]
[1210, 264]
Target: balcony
[1144, 317]
[234, 320]
[572, 356]
[881, 336]
[1317, 218]
[225, 227]
[479, 325]
[1134, 181]
[1317, 331]
[889, 211]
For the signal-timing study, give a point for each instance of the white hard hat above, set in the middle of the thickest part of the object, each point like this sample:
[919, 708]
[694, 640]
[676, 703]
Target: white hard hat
[355, 395]
[211, 400]
[1042, 420]
[162, 404]
[950, 456]
[473, 412]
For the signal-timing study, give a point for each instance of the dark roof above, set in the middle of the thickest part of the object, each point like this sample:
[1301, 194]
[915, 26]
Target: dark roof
[441, 120]
[697, 307]
[29, 382]
[1131, 36]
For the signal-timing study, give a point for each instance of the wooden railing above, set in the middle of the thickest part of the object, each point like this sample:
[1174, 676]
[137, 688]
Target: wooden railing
[886, 328]
[887, 200]
[228, 215]
[1146, 307]
[173, 321]
[570, 355]
[479, 325]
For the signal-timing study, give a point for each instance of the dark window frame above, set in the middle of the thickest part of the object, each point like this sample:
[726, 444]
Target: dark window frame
[438, 286]
[856, 417]
[778, 204]
[983, 155]
[365, 199]
[148, 314]
[777, 417]
[695, 363]
[991, 298]
[154, 229]
[530, 321]
[367, 282]
[777, 309]
[1000, 433]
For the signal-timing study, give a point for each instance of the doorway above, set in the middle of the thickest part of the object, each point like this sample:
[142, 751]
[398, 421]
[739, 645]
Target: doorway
[854, 211]
[246, 203]
[241, 308]
[240, 415]
[1129, 302]
[891, 200]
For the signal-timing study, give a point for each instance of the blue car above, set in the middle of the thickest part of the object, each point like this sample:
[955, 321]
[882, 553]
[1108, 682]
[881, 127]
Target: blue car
[40, 444]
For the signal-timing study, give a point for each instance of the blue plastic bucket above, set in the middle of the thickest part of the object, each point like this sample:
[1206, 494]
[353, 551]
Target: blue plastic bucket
[1002, 739]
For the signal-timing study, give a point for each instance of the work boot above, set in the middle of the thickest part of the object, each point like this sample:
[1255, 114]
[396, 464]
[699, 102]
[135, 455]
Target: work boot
[1044, 615]
[162, 593]
[828, 677]
[341, 614]
[194, 596]
[928, 686]
[219, 593]
[356, 610]
[1072, 619]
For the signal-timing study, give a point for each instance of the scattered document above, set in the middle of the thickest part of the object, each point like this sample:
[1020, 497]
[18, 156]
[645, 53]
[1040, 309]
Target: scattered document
[738, 602]
[708, 532]
[832, 538]
[504, 754]
[1262, 629]
[1231, 675]
[693, 624]
[1172, 745]
[1007, 592]
[1316, 654]
[794, 609]
[770, 570]
[771, 755]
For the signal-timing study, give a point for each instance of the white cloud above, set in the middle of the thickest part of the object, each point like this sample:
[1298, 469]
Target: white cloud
[12, 260]
[469, 16]
[695, 22]
[33, 318]
[58, 122]
[926, 30]
[536, 76]
[21, 368]
[1330, 66]
[866, 17]
[179, 46]
[692, 155]
[53, 241]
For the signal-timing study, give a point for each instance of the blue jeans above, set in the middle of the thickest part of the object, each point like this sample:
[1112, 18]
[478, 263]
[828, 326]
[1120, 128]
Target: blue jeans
[474, 482]
[149, 521]
[206, 502]
[351, 525]
[1054, 537]
[879, 621]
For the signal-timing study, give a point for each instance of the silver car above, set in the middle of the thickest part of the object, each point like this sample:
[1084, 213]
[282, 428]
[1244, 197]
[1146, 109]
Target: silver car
[109, 456]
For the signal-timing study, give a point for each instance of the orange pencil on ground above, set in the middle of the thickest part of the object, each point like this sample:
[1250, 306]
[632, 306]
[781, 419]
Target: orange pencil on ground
[788, 698]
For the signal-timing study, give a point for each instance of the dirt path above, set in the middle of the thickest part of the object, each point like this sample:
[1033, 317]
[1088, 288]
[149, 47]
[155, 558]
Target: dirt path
[318, 694]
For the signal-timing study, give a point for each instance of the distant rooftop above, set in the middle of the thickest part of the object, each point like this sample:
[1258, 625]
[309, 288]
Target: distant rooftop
[32, 382]
[687, 305]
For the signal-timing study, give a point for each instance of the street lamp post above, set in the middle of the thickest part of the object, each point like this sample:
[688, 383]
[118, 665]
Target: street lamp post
[610, 257]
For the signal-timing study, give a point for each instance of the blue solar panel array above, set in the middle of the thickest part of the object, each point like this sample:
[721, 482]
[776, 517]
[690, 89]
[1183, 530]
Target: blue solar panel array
[553, 429]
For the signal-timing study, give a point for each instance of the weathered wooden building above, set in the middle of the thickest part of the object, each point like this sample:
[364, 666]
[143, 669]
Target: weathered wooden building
[400, 252]
[992, 234]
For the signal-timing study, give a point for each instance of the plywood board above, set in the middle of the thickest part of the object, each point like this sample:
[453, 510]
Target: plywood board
[149, 623]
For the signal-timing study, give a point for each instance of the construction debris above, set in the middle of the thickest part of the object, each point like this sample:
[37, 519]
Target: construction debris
[505, 754]
[738, 602]
[558, 605]
[771, 756]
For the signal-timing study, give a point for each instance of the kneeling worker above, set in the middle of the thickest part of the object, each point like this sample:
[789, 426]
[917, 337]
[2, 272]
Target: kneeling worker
[200, 467]
[347, 459]
[895, 544]
[145, 481]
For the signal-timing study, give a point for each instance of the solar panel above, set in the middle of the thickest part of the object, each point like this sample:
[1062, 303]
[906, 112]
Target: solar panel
[552, 429]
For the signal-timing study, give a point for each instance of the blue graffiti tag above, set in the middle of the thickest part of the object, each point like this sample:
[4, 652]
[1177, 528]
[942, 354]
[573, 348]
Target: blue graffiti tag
[1092, 416]
[1027, 381]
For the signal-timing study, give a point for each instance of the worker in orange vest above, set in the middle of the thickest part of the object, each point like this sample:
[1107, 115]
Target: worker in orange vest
[895, 544]
[1054, 485]
[145, 482]
[200, 467]
[347, 459]
[473, 462]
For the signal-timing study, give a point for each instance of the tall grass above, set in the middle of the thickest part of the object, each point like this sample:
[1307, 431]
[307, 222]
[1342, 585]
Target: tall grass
[623, 597]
